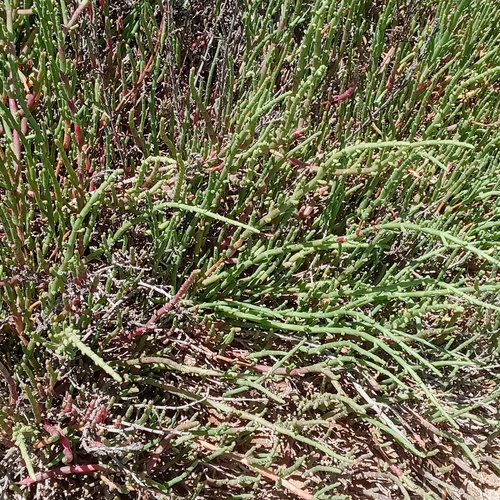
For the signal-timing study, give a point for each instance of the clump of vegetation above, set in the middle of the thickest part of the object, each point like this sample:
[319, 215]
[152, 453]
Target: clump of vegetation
[249, 249]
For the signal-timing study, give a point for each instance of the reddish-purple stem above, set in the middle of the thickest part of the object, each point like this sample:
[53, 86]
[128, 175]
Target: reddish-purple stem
[345, 95]
[53, 431]
[68, 406]
[68, 452]
[10, 382]
[16, 141]
[76, 14]
[24, 125]
[68, 469]
[101, 416]
[78, 136]
[88, 411]
[155, 457]
[171, 303]
[11, 281]
[50, 429]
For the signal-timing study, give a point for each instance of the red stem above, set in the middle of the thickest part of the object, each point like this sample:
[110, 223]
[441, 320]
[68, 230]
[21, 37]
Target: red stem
[345, 95]
[53, 431]
[16, 141]
[76, 14]
[10, 382]
[68, 469]
[171, 303]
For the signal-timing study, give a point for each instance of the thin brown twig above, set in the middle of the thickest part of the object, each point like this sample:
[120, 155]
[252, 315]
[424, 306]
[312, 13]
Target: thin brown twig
[172, 303]
[165, 443]
[268, 474]
[162, 360]
[145, 71]
[480, 124]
